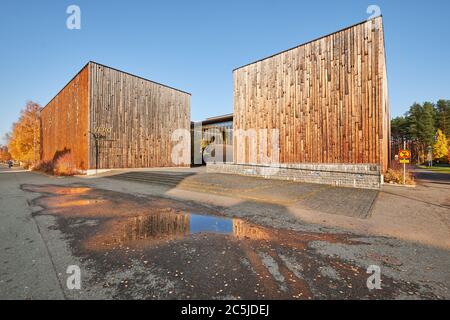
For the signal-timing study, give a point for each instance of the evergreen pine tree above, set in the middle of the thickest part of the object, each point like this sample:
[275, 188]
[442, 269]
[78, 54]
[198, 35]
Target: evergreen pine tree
[443, 116]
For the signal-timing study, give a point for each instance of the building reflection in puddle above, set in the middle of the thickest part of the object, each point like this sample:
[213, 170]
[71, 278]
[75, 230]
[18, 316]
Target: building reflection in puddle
[176, 224]
[168, 225]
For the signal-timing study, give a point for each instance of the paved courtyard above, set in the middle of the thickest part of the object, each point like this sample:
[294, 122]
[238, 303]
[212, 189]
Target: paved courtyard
[188, 234]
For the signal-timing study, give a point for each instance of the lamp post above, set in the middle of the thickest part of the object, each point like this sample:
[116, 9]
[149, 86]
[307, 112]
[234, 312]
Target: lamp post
[404, 164]
[430, 156]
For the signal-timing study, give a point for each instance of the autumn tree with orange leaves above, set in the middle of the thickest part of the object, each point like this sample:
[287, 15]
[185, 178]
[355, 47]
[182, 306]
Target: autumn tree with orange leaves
[24, 140]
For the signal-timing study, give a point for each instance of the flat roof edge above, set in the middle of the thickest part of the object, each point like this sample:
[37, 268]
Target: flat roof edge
[221, 118]
[136, 76]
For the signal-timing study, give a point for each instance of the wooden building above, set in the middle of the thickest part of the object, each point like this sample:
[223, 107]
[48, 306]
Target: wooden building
[328, 98]
[108, 118]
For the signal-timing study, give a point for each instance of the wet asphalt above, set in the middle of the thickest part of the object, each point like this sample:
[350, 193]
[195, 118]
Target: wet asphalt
[154, 248]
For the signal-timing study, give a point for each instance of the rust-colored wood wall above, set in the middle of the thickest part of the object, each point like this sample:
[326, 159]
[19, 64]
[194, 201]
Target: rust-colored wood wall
[138, 118]
[328, 98]
[64, 122]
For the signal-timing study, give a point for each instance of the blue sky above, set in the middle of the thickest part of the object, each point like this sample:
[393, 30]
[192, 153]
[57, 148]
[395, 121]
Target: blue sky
[194, 45]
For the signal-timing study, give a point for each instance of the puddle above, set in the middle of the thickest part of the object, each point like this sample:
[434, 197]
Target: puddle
[116, 220]
[169, 225]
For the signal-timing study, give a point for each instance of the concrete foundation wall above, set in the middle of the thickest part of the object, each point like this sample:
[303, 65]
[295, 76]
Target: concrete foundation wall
[364, 176]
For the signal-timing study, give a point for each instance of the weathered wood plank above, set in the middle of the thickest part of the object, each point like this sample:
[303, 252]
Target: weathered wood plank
[140, 115]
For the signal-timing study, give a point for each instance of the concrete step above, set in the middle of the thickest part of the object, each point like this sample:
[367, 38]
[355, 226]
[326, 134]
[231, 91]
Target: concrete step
[149, 181]
[152, 178]
[146, 177]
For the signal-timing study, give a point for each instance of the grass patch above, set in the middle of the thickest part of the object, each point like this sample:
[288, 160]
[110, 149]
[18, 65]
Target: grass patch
[440, 168]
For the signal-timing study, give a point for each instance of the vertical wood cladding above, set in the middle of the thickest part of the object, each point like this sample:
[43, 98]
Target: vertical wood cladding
[139, 117]
[328, 98]
[65, 122]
